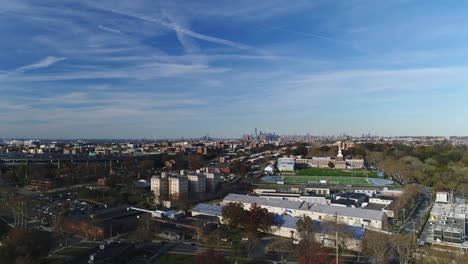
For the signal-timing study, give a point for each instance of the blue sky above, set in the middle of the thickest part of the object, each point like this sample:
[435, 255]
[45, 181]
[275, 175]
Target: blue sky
[166, 69]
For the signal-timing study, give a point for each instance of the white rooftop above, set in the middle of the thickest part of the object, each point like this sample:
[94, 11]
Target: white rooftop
[317, 208]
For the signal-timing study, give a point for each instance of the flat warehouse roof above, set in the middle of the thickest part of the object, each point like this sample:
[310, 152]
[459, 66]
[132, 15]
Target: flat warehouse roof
[348, 211]
[239, 198]
[291, 222]
[316, 208]
[208, 209]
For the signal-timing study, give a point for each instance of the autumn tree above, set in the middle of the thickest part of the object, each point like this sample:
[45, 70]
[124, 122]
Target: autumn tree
[406, 199]
[233, 214]
[183, 201]
[305, 226]
[196, 161]
[257, 220]
[239, 168]
[309, 250]
[300, 150]
[143, 231]
[145, 165]
[21, 245]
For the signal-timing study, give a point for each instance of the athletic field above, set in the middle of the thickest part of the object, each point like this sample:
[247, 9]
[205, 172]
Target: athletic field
[331, 179]
[336, 172]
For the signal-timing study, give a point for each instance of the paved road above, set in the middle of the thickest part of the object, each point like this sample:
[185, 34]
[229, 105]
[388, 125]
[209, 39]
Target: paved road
[414, 219]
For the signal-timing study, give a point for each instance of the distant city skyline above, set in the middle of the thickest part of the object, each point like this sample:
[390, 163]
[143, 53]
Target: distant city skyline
[149, 69]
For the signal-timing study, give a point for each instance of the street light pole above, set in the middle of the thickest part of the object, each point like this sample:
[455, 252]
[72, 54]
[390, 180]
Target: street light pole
[404, 217]
[336, 237]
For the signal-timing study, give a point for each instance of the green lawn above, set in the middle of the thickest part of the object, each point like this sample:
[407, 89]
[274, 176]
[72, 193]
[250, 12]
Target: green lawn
[331, 179]
[176, 258]
[190, 259]
[336, 172]
[72, 251]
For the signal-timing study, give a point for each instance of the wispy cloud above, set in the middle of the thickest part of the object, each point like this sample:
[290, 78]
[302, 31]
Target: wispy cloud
[44, 63]
[177, 28]
[112, 30]
[304, 34]
[141, 72]
[141, 67]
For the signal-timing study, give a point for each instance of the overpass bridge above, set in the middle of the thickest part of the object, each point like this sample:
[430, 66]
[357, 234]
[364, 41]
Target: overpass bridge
[7, 160]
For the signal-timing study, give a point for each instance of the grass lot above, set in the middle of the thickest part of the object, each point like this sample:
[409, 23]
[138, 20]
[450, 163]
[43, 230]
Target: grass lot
[176, 259]
[72, 251]
[190, 259]
[336, 172]
[331, 179]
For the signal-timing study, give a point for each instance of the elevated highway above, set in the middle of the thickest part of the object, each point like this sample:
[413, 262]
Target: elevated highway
[19, 159]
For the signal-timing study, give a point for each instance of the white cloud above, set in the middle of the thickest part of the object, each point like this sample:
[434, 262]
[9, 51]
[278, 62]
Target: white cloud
[112, 30]
[144, 71]
[177, 28]
[44, 63]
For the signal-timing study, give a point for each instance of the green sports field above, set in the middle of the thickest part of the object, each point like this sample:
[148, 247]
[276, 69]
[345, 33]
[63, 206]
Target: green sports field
[332, 179]
[336, 172]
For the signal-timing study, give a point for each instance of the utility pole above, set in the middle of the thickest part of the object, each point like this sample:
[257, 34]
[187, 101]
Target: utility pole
[404, 217]
[25, 171]
[23, 225]
[110, 168]
[336, 237]
[189, 159]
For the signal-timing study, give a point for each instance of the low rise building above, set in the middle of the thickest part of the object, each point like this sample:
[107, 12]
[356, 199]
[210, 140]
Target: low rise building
[344, 203]
[286, 164]
[345, 215]
[297, 197]
[355, 163]
[350, 237]
[285, 226]
[208, 209]
[382, 200]
[319, 189]
[357, 198]
[447, 224]
[223, 168]
[339, 162]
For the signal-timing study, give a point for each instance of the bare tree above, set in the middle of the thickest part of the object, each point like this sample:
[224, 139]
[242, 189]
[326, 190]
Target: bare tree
[404, 246]
[376, 247]
[281, 247]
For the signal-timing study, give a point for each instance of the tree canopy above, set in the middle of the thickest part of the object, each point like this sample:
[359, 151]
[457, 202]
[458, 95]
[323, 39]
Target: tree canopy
[22, 245]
